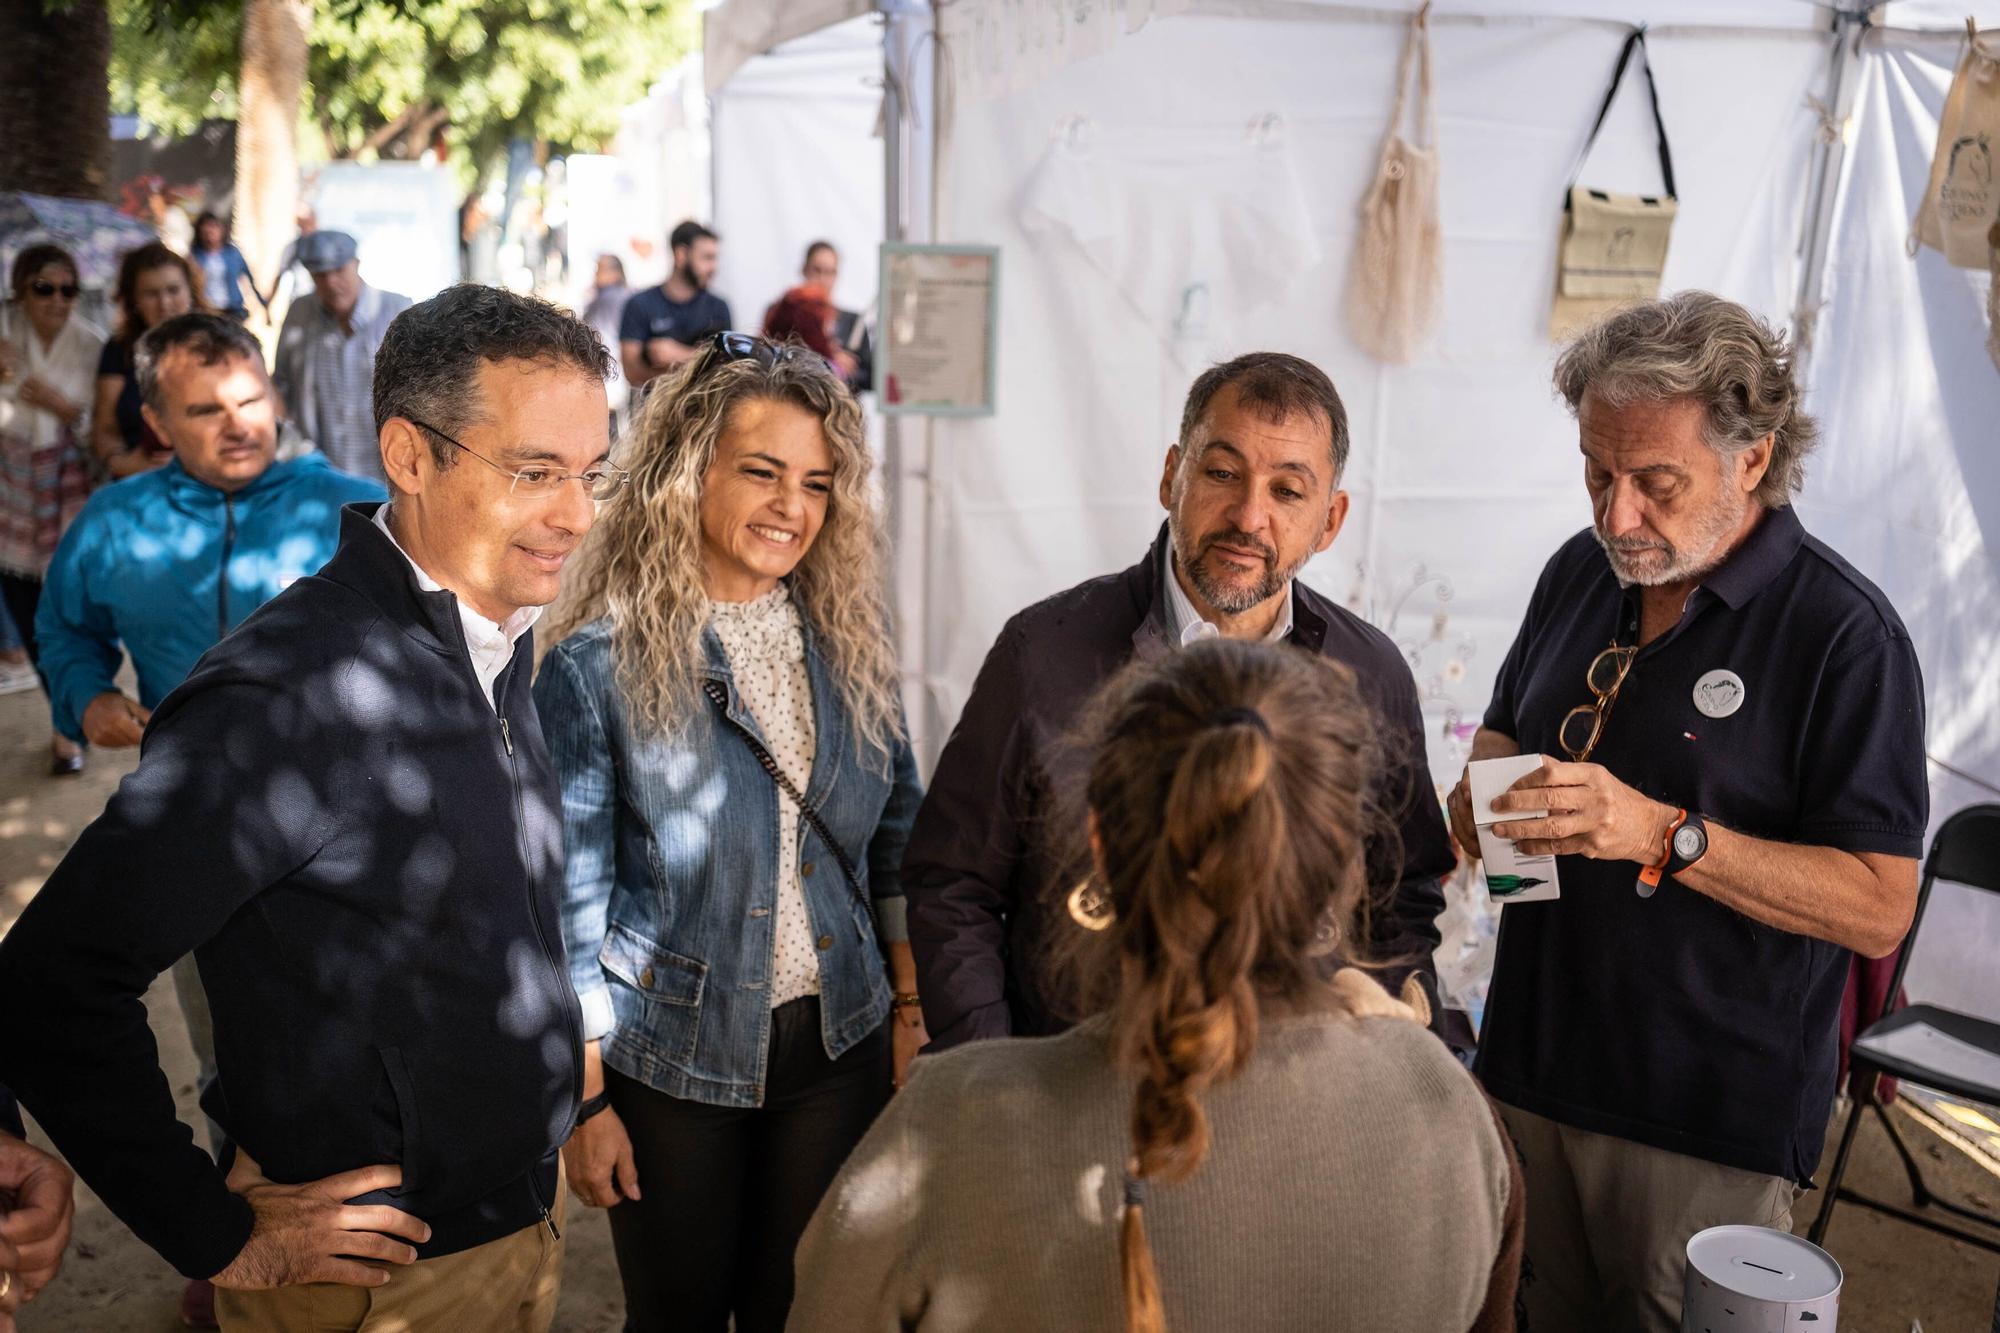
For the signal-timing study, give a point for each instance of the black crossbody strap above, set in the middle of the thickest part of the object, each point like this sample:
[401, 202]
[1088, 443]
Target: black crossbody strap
[1636, 42]
[720, 698]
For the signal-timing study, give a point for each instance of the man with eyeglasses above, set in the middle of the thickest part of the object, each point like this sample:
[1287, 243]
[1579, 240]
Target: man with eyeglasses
[348, 815]
[1732, 722]
[164, 567]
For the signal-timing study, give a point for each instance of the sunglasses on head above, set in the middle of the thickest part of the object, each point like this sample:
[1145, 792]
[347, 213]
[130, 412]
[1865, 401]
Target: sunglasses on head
[66, 290]
[726, 347]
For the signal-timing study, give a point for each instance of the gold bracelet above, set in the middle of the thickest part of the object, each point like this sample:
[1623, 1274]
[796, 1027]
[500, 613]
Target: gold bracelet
[905, 1000]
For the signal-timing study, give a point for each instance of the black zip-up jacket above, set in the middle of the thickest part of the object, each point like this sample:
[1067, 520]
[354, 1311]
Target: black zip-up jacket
[986, 872]
[365, 859]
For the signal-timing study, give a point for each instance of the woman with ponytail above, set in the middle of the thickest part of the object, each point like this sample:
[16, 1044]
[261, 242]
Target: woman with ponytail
[1236, 1140]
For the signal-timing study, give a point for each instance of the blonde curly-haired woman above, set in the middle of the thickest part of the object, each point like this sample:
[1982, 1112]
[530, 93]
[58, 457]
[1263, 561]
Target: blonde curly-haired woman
[737, 788]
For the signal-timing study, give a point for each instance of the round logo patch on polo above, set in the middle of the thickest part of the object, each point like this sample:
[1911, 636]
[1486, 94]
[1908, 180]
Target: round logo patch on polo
[1719, 693]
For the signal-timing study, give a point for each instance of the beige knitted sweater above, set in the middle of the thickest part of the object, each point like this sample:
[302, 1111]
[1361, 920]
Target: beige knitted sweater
[1356, 1180]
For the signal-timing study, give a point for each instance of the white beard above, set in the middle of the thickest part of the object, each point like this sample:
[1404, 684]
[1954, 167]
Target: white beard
[1652, 565]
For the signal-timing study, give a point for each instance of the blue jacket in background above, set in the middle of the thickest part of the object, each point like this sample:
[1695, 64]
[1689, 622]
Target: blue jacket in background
[223, 273]
[143, 564]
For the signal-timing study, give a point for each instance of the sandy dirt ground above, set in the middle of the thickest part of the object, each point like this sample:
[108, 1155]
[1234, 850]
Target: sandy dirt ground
[113, 1284]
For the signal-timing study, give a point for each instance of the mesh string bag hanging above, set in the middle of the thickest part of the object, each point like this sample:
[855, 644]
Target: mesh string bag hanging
[1395, 279]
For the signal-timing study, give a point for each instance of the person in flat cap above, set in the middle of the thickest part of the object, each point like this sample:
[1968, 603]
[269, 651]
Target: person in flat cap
[325, 363]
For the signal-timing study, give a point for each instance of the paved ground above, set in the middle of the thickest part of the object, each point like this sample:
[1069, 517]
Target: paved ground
[112, 1284]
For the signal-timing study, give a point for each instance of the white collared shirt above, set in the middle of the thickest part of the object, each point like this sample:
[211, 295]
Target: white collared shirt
[1186, 625]
[491, 644]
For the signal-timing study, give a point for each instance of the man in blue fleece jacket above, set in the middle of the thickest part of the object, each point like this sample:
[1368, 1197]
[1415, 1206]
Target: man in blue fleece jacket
[168, 562]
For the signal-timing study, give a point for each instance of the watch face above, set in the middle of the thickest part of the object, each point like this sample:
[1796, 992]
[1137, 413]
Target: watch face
[1689, 842]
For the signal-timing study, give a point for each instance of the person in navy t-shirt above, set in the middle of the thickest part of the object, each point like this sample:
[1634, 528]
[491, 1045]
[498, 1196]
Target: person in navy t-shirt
[663, 326]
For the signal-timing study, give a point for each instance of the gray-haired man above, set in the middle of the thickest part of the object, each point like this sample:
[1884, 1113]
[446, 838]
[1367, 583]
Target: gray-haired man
[325, 363]
[1735, 789]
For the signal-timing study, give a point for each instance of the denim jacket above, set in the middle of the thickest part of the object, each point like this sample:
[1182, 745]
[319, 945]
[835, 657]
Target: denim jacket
[669, 902]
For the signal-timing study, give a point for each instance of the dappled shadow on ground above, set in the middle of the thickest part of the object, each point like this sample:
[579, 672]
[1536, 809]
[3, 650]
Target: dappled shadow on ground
[39, 815]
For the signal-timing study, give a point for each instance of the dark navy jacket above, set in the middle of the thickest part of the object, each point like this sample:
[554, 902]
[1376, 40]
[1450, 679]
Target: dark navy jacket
[365, 859]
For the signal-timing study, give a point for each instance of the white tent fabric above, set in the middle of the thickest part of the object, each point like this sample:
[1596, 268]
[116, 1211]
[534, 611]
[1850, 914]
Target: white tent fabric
[1907, 480]
[662, 175]
[733, 34]
[1007, 46]
[1944, 17]
[798, 157]
[1463, 473]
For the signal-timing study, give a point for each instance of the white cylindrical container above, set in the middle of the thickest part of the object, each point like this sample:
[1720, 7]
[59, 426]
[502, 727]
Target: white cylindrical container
[1757, 1280]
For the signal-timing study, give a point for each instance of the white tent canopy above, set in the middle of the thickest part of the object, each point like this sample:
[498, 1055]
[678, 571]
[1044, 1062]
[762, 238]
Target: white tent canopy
[798, 158]
[1176, 181]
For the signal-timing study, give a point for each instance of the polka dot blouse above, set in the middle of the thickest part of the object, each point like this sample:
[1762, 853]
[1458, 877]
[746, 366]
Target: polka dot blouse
[767, 656]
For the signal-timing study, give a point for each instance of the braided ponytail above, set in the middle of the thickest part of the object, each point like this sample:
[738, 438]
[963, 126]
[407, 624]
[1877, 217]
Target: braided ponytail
[1226, 789]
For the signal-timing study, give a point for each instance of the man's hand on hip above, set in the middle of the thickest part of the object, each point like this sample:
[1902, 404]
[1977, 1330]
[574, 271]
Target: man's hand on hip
[114, 722]
[1590, 813]
[311, 1233]
[37, 1206]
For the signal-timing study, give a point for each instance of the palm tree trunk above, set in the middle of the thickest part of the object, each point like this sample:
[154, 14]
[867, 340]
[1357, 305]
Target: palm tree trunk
[55, 98]
[270, 87]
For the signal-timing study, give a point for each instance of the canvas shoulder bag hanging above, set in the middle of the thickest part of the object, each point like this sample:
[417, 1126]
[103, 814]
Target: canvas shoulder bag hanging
[1396, 279]
[1614, 246]
[1963, 198]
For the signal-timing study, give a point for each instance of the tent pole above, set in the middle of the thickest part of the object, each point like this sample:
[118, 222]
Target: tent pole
[892, 230]
[1836, 108]
[908, 587]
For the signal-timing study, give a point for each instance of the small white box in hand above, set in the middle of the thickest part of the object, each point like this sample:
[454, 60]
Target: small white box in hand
[1510, 878]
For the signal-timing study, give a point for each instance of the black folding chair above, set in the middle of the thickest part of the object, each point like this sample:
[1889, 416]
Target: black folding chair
[1966, 851]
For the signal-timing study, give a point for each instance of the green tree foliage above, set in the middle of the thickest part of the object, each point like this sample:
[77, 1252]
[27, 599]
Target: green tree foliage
[174, 70]
[385, 74]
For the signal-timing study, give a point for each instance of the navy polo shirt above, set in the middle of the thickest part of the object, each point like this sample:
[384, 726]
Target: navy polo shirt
[651, 314]
[1673, 1020]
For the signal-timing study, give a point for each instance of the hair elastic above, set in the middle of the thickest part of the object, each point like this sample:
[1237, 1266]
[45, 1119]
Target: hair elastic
[1241, 717]
[1135, 1191]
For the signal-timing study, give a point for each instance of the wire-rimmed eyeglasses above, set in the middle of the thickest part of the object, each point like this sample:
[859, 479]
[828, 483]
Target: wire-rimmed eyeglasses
[1583, 725]
[537, 481]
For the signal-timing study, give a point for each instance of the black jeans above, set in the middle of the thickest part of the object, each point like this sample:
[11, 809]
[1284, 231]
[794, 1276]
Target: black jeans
[726, 1191]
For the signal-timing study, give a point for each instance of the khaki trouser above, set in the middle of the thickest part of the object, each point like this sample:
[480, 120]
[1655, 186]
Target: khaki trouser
[507, 1285]
[1609, 1222]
